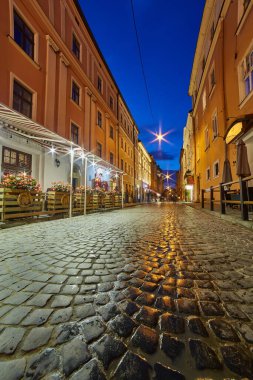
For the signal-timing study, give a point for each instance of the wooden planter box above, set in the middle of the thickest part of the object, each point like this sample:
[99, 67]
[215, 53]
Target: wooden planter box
[19, 203]
[118, 201]
[58, 201]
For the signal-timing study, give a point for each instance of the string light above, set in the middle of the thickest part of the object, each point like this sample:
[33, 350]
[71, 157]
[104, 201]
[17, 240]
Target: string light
[52, 150]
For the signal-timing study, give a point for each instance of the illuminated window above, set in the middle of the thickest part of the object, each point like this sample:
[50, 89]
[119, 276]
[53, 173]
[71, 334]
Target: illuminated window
[204, 100]
[22, 99]
[247, 73]
[23, 35]
[15, 161]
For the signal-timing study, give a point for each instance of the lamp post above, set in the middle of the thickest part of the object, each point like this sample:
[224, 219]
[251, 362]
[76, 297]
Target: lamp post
[85, 186]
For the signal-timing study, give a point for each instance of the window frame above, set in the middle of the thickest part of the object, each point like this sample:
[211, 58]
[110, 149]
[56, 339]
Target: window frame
[23, 89]
[74, 84]
[99, 149]
[16, 14]
[99, 119]
[99, 84]
[215, 122]
[74, 127]
[208, 173]
[111, 103]
[111, 158]
[207, 138]
[15, 167]
[73, 46]
[111, 134]
[217, 162]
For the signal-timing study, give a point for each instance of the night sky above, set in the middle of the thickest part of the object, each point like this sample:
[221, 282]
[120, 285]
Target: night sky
[168, 33]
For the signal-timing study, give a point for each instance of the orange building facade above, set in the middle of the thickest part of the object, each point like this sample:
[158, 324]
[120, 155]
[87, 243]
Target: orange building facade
[52, 71]
[221, 87]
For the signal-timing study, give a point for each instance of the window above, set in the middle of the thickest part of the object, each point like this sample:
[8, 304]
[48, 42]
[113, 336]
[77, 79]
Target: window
[216, 169]
[122, 143]
[23, 35]
[22, 99]
[247, 73]
[215, 125]
[207, 140]
[111, 132]
[212, 31]
[122, 164]
[76, 47]
[204, 100]
[212, 80]
[74, 133]
[208, 176]
[99, 121]
[75, 92]
[125, 167]
[99, 149]
[15, 161]
[99, 84]
[111, 102]
[111, 158]
[125, 147]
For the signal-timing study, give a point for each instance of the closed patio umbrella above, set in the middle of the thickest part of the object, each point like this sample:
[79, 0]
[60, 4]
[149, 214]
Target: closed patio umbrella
[242, 169]
[226, 175]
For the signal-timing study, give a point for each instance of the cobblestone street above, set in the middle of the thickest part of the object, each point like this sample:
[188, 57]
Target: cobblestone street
[150, 292]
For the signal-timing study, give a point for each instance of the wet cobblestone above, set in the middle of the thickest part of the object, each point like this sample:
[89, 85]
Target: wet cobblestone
[152, 292]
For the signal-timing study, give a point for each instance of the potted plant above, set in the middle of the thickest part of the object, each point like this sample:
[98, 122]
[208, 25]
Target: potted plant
[58, 196]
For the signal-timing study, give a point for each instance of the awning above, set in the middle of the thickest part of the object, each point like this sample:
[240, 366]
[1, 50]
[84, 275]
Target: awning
[16, 123]
[237, 129]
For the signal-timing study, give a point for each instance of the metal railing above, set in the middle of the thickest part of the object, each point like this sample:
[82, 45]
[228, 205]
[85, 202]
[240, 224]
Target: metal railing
[241, 197]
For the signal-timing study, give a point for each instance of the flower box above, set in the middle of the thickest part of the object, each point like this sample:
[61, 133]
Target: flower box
[58, 201]
[20, 203]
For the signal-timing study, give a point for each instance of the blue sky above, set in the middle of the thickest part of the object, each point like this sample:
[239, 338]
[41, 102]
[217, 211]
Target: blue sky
[168, 33]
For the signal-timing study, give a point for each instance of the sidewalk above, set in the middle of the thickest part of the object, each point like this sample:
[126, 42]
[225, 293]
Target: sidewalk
[232, 215]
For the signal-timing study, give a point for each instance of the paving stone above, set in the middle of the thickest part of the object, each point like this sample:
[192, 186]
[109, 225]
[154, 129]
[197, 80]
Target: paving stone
[5, 293]
[145, 299]
[17, 298]
[129, 307]
[4, 309]
[185, 283]
[61, 315]
[148, 316]
[207, 295]
[108, 311]
[205, 357]
[170, 281]
[105, 287]
[172, 346]
[102, 299]
[61, 301]
[52, 289]
[165, 303]
[166, 290]
[246, 331]
[91, 280]
[223, 330]
[187, 306]
[10, 337]
[185, 293]
[122, 325]
[162, 373]
[67, 331]
[132, 293]
[149, 286]
[146, 339]
[41, 364]
[70, 289]
[92, 328]
[81, 299]
[197, 327]
[132, 367]
[39, 300]
[212, 309]
[172, 323]
[15, 316]
[84, 311]
[89, 371]
[37, 317]
[75, 280]
[237, 360]
[235, 312]
[108, 349]
[37, 337]
[136, 282]
[74, 354]
[12, 369]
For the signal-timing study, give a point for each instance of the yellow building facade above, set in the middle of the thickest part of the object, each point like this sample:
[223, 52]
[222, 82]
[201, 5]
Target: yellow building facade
[221, 88]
